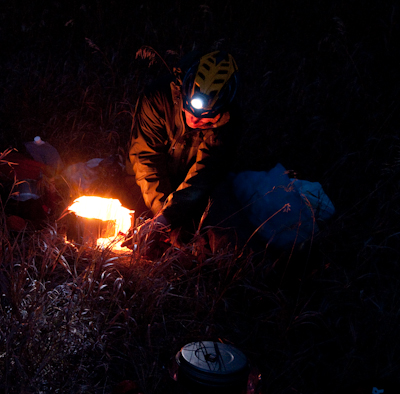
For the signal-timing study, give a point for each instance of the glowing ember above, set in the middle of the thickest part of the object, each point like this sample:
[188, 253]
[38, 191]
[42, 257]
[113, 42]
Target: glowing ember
[106, 209]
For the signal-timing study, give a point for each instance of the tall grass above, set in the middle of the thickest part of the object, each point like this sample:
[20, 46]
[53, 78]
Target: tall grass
[319, 94]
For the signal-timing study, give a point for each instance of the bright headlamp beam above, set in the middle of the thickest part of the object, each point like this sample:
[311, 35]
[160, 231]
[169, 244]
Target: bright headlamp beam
[197, 103]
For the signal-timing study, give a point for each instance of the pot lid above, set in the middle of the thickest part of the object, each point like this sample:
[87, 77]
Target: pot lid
[212, 358]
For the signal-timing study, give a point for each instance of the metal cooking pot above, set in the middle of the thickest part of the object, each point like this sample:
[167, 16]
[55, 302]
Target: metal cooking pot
[212, 367]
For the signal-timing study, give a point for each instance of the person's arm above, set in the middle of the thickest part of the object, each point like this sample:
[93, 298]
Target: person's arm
[192, 194]
[148, 153]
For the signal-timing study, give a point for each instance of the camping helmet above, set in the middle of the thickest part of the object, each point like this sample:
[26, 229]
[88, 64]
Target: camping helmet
[210, 85]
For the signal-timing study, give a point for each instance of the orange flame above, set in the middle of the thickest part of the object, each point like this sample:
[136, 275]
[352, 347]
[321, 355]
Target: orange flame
[94, 207]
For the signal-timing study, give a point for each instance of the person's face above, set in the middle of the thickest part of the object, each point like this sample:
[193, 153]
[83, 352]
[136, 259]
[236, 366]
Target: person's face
[198, 123]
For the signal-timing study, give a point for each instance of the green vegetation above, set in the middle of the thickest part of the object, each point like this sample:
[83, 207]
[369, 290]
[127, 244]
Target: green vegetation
[319, 93]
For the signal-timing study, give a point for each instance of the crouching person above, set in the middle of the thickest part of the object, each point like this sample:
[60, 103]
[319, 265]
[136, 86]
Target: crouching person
[184, 143]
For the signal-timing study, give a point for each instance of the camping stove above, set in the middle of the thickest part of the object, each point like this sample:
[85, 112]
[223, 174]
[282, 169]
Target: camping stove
[86, 231]
[98, 221]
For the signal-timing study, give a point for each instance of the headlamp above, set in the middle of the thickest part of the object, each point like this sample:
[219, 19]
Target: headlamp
[197, 103]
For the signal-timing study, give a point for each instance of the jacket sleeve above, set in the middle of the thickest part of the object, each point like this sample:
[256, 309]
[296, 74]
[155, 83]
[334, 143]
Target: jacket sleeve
[148, 152]
[191, 197]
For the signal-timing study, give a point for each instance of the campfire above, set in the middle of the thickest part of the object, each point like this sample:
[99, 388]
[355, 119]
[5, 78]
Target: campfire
[103, 221]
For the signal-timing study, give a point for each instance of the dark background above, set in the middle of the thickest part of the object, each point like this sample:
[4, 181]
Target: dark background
[319, 81]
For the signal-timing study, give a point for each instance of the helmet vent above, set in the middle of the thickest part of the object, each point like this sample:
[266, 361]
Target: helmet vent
[214, 77]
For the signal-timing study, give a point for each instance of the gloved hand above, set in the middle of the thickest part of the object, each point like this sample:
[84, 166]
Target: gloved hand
[148, 235]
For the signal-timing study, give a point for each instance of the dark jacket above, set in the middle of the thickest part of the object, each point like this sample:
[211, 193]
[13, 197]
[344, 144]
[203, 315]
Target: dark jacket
[175, 166]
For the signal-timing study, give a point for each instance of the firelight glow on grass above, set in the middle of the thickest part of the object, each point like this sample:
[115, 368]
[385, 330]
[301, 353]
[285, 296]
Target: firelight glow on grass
[94, 207]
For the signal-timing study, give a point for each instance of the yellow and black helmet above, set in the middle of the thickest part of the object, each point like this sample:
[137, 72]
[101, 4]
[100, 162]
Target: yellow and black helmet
[210, 85]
